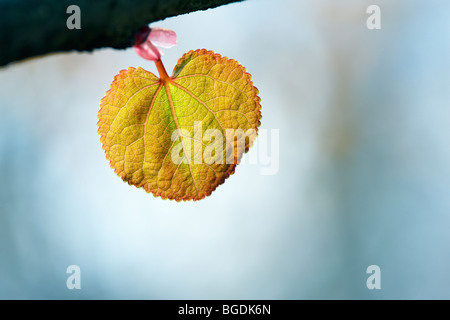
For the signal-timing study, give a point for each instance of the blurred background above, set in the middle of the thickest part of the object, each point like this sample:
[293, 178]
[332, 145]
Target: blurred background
[364, 175]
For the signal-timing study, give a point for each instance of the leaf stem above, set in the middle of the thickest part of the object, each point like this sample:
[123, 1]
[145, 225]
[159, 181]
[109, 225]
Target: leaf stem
[162, 71]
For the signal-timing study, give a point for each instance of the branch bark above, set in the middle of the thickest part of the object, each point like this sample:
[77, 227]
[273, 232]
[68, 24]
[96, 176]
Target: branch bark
[31, 28]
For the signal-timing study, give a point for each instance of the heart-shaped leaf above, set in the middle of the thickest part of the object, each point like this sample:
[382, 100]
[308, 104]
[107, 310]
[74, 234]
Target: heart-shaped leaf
[180, 137]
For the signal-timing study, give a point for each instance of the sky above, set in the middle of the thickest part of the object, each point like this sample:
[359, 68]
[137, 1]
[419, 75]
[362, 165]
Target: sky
[362, 121]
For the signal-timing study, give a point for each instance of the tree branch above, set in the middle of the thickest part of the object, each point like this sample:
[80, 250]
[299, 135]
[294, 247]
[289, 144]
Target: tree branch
[30, 28]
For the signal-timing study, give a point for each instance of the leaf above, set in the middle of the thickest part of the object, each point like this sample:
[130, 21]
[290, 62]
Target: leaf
[164, 134]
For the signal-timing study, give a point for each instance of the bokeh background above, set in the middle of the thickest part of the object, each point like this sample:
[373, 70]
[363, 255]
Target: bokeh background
[364, 174]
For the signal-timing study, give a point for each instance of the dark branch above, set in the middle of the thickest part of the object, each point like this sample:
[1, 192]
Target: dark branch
[30, 28]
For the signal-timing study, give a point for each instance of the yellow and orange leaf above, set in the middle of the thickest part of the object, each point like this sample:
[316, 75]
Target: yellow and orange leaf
[140, 114]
